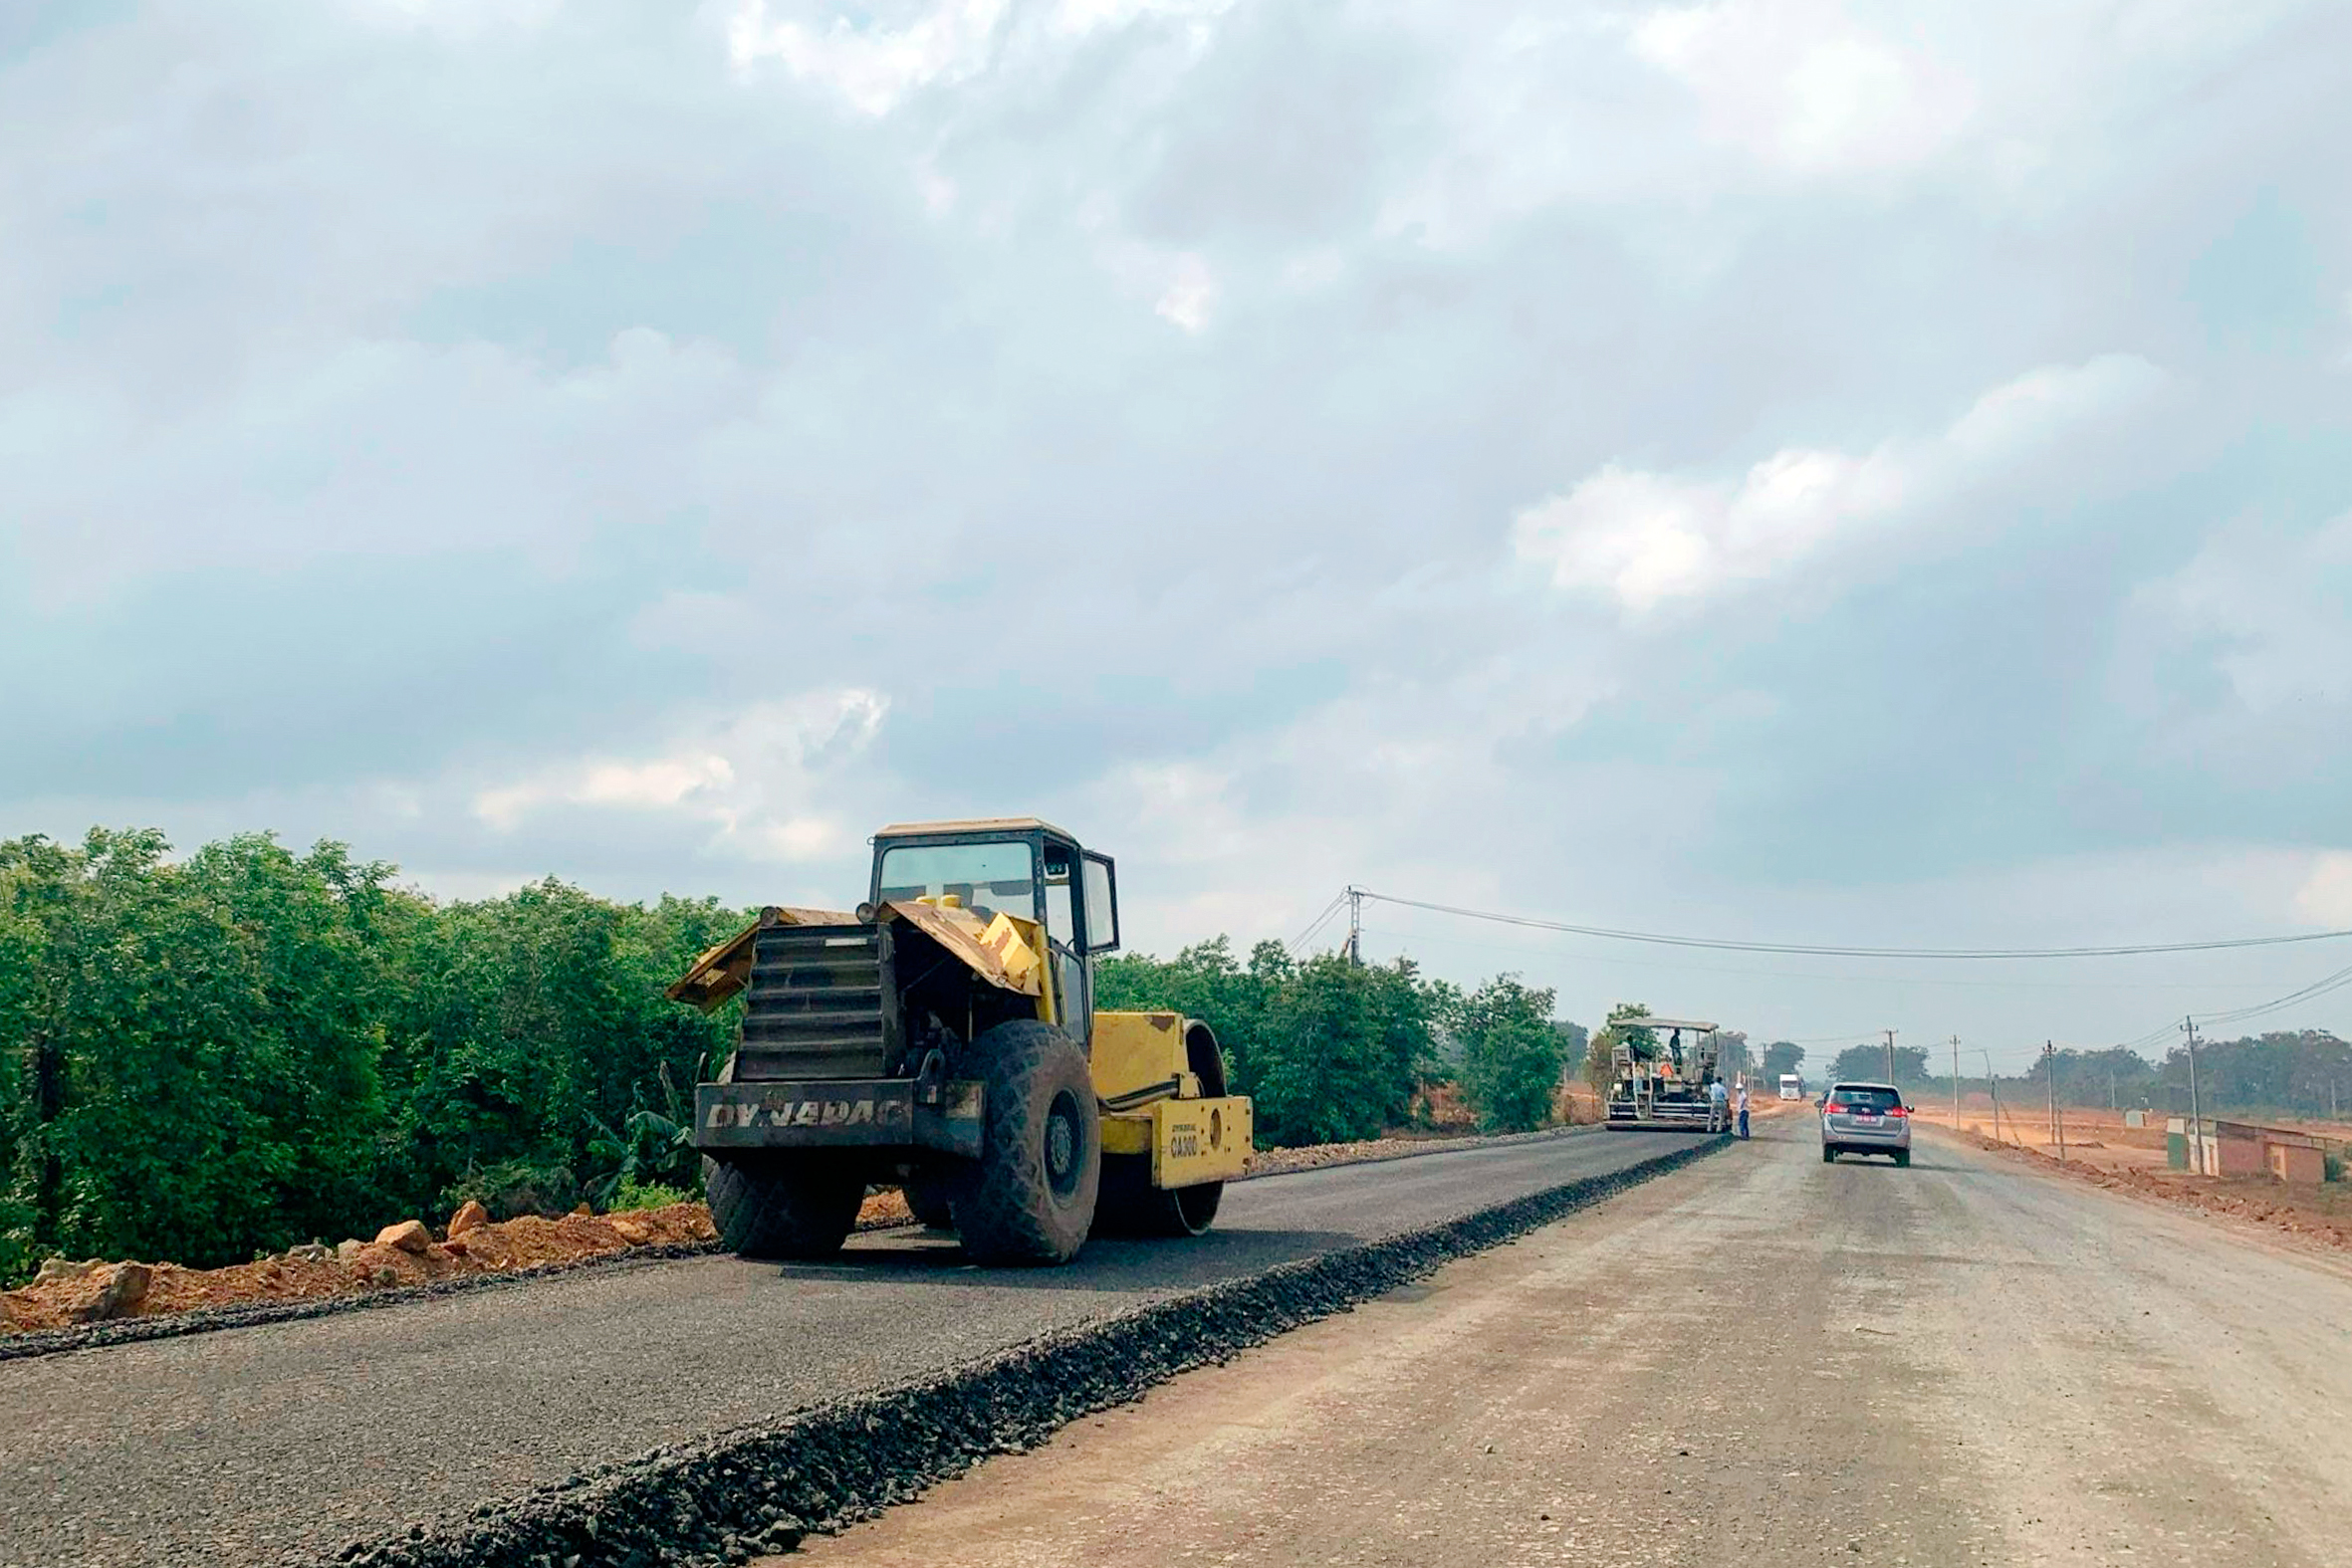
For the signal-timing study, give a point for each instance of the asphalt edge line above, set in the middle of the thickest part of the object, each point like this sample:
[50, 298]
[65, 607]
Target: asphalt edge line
[257, 1314]
[764, 1489]
[1437, 1146]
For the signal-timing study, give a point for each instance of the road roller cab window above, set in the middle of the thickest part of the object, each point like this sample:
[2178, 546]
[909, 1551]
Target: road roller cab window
[998, 878]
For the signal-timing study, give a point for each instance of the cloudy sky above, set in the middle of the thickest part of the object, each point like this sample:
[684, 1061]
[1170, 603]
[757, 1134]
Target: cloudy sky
[1782, 469]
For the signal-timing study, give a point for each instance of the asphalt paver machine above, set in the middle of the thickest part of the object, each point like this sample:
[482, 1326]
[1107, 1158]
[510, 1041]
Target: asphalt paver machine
[1660, 1070]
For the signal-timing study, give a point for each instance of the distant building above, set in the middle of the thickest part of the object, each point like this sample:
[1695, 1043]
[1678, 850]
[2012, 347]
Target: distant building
[2244, 1149]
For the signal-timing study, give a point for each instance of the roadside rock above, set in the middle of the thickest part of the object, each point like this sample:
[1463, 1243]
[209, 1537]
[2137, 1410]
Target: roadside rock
[125, 1289]
[468, 1217]
[409, 1235]
[307, 1253]
[349, 1249]
[455, 1246]
[57, 1271]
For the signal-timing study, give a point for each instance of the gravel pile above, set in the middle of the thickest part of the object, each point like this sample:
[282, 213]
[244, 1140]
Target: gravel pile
[763, 1490]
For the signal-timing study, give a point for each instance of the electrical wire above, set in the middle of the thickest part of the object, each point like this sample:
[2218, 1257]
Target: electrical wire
[1317, 924]
[2318, 988]
[1682, 967]
[1830, 951]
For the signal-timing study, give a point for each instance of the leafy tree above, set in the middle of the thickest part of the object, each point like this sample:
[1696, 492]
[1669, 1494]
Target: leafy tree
[1620, 1028]
[1781, 1056]
[1734, 1058]
[233, 1053]
[2292, 1073]
[1511, 1054]
[1868, 1064]
[200, 1046]
[1330, 1050]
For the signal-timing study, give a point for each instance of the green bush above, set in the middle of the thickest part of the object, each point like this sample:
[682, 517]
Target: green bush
[1511, 1054]
[2332, 1167]
[516, 1187]
[233, 1051]
[1330, 1050]
[647, 1195]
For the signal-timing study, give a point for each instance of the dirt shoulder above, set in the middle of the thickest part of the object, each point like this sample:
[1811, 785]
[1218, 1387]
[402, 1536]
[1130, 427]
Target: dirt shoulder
[2319, 1217]
[1759, 1360]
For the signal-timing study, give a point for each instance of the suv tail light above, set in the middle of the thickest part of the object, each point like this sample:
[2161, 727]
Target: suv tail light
[1835, 1107]
[1898, 1110]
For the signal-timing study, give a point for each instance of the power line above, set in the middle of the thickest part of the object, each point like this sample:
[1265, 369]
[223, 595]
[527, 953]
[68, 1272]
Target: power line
[2318, 988]
[1317, 924]
[1682, 968]
[1823, 950]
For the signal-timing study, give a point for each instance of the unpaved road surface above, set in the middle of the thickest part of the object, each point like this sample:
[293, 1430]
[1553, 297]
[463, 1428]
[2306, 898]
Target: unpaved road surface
[241, 1445]
[1757, 1360]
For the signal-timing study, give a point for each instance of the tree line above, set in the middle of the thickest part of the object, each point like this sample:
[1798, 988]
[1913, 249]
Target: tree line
[210, 1057]
[250, 1047]
[2288, 1073]
[1334, 1050]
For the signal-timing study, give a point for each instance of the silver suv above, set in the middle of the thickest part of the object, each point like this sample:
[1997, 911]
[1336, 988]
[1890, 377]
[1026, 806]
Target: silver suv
[1865, 1118]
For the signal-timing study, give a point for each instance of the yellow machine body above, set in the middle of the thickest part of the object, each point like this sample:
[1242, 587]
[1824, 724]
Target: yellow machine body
[1157, 1076]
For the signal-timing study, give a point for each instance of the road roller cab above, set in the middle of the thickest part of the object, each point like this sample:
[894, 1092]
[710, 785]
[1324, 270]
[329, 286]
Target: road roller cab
[943, 1036]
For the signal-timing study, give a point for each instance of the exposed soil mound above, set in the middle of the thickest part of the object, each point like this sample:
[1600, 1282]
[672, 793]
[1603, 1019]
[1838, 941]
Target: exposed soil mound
[405, 1254]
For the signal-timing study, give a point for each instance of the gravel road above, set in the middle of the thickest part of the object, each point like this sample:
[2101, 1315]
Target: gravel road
[241, 1445]
[1759, 1359]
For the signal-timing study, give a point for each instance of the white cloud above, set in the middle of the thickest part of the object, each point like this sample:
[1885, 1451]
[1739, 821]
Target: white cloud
[1191, 293]
[379, 449]
[873, 65]
[756, 778]
[1796, 84]
[457, 18]
[2273, 611]
[1080, 17]
[2325, 898]
[1648, 538]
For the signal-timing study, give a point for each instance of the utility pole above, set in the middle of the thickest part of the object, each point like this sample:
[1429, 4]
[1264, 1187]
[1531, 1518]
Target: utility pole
[2196, 1112]
[1956, 1084]
[1890, 1055]
[1992, 1082]
[1355, 925]
[2049, 1078]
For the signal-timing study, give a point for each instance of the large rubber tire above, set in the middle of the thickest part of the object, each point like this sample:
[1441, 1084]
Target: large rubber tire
[1029, 1197]
[1903, 1157]
[782, 1206]
[1829, 1155]
[930, 1198]
[1130, 1205]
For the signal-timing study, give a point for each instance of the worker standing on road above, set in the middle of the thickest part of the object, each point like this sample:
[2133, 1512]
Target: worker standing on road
[1715, 1105]
[1743, 1109]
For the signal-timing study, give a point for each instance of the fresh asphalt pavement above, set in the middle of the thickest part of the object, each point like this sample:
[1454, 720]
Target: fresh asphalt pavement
[1759, 1360]
[293, 1437]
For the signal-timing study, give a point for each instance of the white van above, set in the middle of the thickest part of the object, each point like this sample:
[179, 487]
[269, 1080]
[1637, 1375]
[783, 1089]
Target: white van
[1792, 1087]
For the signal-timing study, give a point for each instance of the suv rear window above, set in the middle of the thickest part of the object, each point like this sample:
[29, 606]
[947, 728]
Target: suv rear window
[1860, 1099]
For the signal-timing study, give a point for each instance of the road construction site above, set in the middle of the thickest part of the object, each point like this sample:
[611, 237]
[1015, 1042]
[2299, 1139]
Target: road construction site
[673, 1406]
[1759, 1359]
